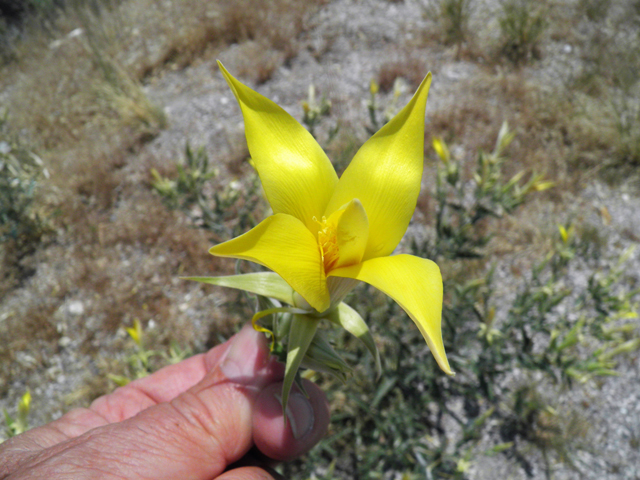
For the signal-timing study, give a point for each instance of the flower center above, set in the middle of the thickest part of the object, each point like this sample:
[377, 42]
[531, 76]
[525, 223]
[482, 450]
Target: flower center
[328, 243]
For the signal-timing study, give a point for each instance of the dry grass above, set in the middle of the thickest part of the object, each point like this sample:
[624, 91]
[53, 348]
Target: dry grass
[257, 61]
[117, 247]
[543, 122]
[411, 69]
[29, 337]
[82, 80]
[606, 87]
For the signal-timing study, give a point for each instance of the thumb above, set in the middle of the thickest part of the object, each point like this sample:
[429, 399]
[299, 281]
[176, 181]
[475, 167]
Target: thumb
[196, 435]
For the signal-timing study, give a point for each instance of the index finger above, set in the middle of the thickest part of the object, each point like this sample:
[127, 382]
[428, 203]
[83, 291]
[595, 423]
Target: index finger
[125, 402]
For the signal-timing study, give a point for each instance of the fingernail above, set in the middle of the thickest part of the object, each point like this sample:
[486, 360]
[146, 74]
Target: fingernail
[246, 356]
[299, 414]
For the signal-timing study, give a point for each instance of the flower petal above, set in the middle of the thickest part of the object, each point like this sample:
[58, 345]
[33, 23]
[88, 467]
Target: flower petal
[385, 175]
[352, 232]
[268, 284]
[296, 174]
[283, 244]
[415, 283]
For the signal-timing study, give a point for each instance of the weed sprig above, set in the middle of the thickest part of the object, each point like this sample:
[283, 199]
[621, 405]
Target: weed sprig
[226, 213]
[512, 357]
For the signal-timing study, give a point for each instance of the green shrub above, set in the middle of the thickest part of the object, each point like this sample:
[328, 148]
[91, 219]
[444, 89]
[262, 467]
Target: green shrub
[20, 171]
[228, 211]
[595, 10]
[521, 26]
[453, 18]
[458, 217]
[417, 423]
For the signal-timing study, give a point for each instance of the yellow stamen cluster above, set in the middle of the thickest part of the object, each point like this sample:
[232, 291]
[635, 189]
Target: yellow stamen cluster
[328, 243]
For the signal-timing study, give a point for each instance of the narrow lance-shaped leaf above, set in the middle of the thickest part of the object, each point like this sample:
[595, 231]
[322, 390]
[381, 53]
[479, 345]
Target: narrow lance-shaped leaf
[268, 284]
[303, 329]
[352, 322]
[321, 357]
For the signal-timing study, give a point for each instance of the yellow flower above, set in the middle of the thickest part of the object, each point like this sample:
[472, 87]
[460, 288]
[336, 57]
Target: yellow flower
[326, 233]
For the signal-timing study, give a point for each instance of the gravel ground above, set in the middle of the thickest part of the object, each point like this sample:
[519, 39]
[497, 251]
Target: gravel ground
[344, 47]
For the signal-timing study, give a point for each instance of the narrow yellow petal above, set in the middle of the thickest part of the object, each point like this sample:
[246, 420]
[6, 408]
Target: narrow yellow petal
[285, 245]
[385, 175]
[415, 283]
[352, 233]
[296, 174]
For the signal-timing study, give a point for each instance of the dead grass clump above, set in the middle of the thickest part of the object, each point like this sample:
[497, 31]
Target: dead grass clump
[452, 17]
[468, 122]
[236, 161]
[277, 23]
[256, 61]
[606, 87]
[148, 223]
[145, 223]
[410, 69]
[28, 339]
[126, 263]
[80, 76]
[125, 96]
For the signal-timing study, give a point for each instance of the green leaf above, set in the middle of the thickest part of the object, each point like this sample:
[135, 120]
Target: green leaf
[7, 418]
[321, 357]
[268, 284]
[318, 366]
[352, 322]
[385, 387]
[303, 329]
[119, 380]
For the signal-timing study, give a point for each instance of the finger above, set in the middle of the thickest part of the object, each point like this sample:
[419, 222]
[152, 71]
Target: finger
[250, 473]
[196, 435]
[161, 386]
[307, 421]
[124, 402]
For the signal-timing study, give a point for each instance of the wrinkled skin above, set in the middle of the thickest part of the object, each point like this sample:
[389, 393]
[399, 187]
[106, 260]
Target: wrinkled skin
[212, 416]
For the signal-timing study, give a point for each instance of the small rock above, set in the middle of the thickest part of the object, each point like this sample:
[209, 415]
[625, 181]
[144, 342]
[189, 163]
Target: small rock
[76, 307]
[75, 33]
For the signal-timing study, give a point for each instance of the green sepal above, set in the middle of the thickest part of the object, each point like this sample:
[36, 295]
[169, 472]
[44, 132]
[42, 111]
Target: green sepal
[352, 322]
[317, 366]
[268, 284]
[303, 329]
[321, 357]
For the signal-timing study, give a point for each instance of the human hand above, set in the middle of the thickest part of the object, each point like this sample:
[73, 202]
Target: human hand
[191, 420]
